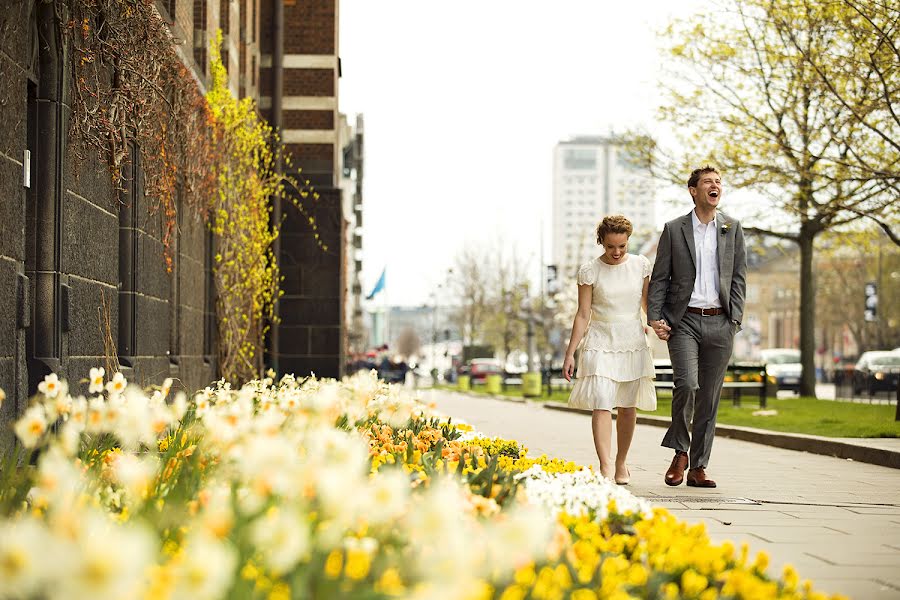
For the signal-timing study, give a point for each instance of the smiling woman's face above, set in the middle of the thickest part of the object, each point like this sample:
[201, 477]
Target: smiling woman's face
[615, 246]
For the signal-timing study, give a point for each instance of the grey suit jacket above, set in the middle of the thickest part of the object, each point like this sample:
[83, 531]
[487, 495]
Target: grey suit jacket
[675, 270]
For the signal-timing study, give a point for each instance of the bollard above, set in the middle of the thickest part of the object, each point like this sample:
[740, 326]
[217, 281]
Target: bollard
[493, 384]
[531, 384]
[462, 383]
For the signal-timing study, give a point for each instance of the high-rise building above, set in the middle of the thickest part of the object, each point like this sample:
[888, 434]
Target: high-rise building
[593, 176]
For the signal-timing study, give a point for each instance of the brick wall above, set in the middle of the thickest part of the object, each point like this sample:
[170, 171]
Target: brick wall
[311, 335]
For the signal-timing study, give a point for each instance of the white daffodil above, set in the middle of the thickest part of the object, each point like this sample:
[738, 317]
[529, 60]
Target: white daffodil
[23, 548]
[111, 560]
[519, 538]
[135, 423]
[437, 515]
[579, 492]
[69, 437]
[31, 426]
[50, 386]
[179, 406]
[78, 411]
[217, 516]
[205, 569]
[202, 403]
[117, 384]
[58, 480]
[60, 406]
[135, 474]
[95, 420]
[96, 380]
[282, 537]
[388, 495]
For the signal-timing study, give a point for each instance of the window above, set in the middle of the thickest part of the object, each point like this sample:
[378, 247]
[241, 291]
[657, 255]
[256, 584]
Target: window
[579, 159]
[175, 282]
[128, 254]
[209, 328]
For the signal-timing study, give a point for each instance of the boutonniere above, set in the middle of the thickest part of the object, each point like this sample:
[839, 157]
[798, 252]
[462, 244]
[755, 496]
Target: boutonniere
[725, 227]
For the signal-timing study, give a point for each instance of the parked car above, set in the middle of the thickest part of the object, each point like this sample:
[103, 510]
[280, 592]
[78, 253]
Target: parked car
[876, 370]
[479, 368]
[783, 368]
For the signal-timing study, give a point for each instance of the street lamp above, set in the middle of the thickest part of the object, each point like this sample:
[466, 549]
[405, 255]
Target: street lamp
[434, 309]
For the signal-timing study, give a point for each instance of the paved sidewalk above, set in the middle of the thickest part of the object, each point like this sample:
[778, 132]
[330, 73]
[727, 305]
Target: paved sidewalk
[837, 521]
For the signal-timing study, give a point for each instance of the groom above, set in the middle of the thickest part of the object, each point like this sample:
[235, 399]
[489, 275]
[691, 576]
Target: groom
[696, 303]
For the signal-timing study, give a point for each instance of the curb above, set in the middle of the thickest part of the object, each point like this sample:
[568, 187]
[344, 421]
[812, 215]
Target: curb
[790, 441]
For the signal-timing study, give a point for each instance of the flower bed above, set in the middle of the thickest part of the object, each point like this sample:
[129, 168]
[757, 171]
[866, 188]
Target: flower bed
[321, 489]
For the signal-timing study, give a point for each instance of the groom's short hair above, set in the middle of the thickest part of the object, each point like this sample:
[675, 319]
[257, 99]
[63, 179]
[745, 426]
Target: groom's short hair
[694, 179]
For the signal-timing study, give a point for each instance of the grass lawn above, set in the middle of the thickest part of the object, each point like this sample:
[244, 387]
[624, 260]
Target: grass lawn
[807, 415]
[795, 415]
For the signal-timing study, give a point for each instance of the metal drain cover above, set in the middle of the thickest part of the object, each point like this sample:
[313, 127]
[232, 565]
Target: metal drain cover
[700, 499]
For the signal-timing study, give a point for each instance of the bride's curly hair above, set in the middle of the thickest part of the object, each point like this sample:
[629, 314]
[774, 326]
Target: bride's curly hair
[613, 224]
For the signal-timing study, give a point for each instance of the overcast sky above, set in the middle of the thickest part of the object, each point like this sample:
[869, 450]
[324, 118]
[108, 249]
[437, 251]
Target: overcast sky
[463, 103]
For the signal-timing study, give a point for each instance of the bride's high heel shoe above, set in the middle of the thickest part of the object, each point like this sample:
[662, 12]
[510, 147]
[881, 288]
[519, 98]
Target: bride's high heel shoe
[623, 480]
[607, 475]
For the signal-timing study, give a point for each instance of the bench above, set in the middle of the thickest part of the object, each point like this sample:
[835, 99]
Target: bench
[757, 371]
[664, 375]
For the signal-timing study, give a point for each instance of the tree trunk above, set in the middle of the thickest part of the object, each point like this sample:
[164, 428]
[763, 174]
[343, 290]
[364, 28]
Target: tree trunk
[807, 313]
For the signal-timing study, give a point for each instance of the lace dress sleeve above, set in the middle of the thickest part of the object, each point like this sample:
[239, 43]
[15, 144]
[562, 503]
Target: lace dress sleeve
[646, 266]
[586, 274]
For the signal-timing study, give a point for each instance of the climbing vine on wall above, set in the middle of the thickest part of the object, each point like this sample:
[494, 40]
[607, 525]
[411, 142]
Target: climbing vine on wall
[130, 86]
[246, 273]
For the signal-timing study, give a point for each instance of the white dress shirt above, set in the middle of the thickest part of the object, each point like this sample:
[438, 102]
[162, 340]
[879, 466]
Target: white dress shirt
[706, 283]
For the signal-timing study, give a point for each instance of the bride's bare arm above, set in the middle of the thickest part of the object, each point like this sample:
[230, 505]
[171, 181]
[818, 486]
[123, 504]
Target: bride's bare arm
[579, 326]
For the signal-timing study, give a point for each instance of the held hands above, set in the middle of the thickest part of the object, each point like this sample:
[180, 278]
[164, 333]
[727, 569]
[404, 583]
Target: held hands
[569, 367]
[662, 329]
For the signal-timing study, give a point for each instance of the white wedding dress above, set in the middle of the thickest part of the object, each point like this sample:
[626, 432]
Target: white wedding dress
[615, 368]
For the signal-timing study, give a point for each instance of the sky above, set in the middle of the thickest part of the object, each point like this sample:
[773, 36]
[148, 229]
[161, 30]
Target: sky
[463, 103]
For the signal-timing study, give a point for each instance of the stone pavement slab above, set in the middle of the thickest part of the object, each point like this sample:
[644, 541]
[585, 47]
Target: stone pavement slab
[836, 520]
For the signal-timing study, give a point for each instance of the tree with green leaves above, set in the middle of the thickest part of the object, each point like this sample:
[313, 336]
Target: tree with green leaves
[786, 99]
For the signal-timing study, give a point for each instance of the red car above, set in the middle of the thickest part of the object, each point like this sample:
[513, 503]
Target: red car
[479, 368]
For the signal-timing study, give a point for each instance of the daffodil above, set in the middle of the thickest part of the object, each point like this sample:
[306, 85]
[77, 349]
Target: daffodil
[31, 426]
[206, 568]
[96, 380]
[283, 539]
[117, 384]
[50, 386]
[23, 552]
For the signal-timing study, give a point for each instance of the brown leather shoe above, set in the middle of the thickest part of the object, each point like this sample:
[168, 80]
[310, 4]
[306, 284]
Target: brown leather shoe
[675, 474]
[697, 478]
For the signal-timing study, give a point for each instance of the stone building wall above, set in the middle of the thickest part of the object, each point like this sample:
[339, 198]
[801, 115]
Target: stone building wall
[71, 244]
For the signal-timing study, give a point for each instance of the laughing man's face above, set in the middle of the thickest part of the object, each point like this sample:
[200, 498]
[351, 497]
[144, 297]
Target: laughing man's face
[708, 192]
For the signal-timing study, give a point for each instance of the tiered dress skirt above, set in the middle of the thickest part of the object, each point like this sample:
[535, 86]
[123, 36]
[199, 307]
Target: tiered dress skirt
[615, 368]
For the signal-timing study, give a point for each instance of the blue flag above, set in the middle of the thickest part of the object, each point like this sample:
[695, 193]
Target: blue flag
[378, 286]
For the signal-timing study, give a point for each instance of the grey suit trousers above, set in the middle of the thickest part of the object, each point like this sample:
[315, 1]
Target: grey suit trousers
[699, 348]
